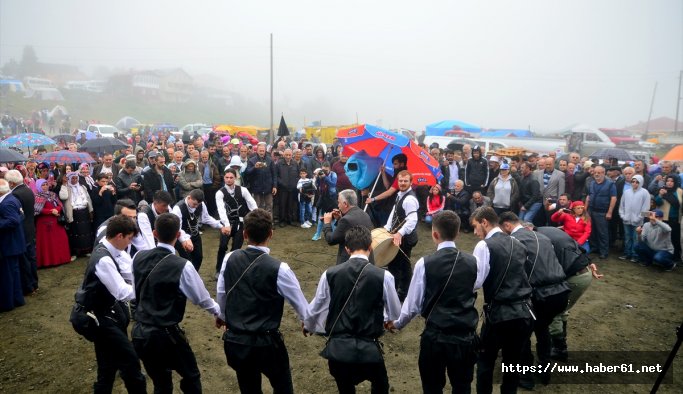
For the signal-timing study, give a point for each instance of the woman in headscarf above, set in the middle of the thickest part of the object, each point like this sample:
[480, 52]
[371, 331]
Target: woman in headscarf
[85, 179]
[52, 244]
[189, 178]
[78, 209]
[670, 199]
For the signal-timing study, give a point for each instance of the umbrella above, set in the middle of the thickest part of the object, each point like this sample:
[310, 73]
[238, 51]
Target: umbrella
[26, 140]
[377, 142]
[11, 156]
[105, 144]
[66, 157]
[282, 130]
[612, 153]
[675, 154]
[126, 122]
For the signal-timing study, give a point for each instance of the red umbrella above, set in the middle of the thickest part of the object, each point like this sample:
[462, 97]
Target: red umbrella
[66, 157]
[377, 142]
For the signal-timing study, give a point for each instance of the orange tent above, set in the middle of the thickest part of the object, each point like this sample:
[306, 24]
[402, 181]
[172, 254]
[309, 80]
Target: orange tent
[675, 154]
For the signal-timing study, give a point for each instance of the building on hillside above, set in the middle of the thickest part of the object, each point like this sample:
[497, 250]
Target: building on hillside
[170, 86]
[659, 125]
[176, 86]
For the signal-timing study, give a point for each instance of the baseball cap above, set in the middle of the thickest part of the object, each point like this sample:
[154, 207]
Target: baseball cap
[505, 166]
[659, 213]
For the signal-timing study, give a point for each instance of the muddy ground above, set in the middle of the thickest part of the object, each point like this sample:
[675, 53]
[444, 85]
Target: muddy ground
[632, 308]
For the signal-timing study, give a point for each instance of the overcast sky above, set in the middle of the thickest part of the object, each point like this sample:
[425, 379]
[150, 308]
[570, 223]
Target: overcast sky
[515, 64]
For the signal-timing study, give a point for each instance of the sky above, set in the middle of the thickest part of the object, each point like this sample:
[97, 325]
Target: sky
[542, 64]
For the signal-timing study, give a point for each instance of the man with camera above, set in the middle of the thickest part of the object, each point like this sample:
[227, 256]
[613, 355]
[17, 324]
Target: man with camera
[655, 245]
[262, 178]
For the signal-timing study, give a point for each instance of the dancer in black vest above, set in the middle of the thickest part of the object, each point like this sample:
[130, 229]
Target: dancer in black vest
[442, 291]
[349, 307]
[234, 202]
[402, 224]
[192, 211]
[125, 207]
[580, 272]
[251, 290]
[507, 292]
[106, 288]
[550, 291]
[163, 284]
[161, 202]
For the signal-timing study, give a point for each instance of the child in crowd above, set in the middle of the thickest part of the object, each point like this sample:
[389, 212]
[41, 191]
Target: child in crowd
[435, 202]
[306, 190]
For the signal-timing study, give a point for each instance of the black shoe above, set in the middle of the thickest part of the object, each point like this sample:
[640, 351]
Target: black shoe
[282, 224]
[526, 381]
[603, 257]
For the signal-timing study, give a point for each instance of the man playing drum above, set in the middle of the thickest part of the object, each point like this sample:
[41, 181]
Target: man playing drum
[402, 224]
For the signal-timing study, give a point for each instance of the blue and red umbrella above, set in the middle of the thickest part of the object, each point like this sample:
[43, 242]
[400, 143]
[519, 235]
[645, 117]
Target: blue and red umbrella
[26, 140]
[66, 157]
[377, 142]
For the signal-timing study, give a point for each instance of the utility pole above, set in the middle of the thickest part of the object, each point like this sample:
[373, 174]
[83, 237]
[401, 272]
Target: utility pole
[678, 100]
[272, 131]
[649, 116]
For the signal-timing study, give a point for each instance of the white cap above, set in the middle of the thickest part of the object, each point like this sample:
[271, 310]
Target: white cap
[235, 161]
[494, 159]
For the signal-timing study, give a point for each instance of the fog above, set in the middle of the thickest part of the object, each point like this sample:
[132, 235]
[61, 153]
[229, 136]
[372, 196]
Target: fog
[540, 64]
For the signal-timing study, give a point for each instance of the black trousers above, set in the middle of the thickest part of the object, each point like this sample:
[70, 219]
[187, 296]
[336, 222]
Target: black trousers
[545, 311]
[166, 350]
[510, 336]
[400, 267]
[114, 352]
[210, 200]
[237, 235]
[286, 200]
[349, 375]
[437, 358]
[196, 256]
[249, 362]
[29, 269]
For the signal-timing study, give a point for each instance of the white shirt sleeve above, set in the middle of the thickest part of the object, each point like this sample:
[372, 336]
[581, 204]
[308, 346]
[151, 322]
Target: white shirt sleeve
[482, 254]
[390, 220]
[410, 206]
[193, 287]
[183, 235]
[288, 287]
[220, 287]
[251, 203]
[144, 240]
[319, 307]
[208, 219]
[220, 205]
[392, 305]
[106, 271]
[126, 267]
[412, 305]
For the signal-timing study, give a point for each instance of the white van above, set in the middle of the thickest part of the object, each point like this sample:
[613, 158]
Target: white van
[104, 130]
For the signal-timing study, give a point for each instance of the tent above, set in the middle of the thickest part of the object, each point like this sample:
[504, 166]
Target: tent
[440, 128]
[232, 129]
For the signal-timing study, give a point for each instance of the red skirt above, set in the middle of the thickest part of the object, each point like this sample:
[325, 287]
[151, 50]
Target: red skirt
[52, 244]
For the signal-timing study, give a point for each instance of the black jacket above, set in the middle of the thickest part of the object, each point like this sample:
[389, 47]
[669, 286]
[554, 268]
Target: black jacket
[354, 217]
[151, 182]
[531, 191]
[27, 200]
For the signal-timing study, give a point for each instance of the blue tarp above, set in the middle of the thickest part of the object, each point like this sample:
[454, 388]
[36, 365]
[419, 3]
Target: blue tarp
[440, 128]
[505, 133]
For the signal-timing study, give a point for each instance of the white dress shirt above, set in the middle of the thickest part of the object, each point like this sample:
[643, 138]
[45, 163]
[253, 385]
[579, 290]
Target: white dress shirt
[319, 308]
[220, 204]
[483, 255]
[412, 305]
[287, 286]
[410, 206]
[113, 279]
[206, 219]
[193, 287]
[139, 241]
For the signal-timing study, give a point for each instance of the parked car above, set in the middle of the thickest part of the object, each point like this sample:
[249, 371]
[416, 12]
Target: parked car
[104, 130]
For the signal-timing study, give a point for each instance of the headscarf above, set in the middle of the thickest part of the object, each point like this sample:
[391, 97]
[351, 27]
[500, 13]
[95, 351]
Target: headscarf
[43, 197]
[89, 181]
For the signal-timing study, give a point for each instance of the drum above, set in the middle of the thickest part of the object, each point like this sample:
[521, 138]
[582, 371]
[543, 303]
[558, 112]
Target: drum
[383, 248]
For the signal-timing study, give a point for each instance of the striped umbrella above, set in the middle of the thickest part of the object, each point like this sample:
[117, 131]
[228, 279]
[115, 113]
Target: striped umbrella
[66, 157]
[26, 140]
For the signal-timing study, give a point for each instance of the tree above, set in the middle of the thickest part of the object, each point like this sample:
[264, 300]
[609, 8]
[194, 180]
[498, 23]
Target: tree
[29, 60]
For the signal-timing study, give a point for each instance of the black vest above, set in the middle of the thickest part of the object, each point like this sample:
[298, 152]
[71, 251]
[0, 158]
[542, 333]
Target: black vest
[570, 256]
[399, 219]
[147, 210]
[454, 312]
[253, 305]
[161, 302]
[235, 206]
[546, 275]
[364, 314]
[93, 294]
[190, 222]
[505, 293]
